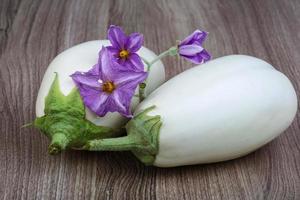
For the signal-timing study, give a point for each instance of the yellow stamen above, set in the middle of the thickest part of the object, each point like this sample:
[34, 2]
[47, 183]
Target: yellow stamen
[124, 54]
[108, 87]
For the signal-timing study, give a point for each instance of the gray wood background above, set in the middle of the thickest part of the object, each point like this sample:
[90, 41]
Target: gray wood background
[33, 32]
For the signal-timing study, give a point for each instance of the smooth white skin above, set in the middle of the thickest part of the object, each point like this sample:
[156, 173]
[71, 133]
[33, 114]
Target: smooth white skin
[221, 110]
[81, 58]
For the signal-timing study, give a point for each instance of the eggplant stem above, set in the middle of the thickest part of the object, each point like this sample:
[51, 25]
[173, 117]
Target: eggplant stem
[58, 143]
[142, 138]
[125, 143]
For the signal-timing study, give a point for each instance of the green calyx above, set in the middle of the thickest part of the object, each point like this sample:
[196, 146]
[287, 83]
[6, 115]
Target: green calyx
[173, 51]
[142, 139]
[64, 121]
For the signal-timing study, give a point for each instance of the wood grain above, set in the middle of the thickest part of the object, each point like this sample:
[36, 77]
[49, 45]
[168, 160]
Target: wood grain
[32, 32]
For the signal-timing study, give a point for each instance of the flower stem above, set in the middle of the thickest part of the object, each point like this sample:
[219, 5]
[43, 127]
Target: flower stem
[160, 56]
[142, 87]
[170, 52]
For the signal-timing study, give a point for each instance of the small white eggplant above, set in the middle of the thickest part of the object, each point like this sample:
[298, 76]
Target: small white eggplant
[60, 112]
[221, 110]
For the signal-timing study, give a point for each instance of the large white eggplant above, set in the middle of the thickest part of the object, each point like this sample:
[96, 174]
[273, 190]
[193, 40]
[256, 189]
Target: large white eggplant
[218, 111]
[63, 104]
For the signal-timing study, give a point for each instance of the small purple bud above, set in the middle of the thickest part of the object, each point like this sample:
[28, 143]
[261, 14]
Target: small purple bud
[191, 48]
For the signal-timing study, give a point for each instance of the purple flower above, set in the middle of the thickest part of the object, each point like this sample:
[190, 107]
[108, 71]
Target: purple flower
[124, 48]
[108, 87]
[191, 48]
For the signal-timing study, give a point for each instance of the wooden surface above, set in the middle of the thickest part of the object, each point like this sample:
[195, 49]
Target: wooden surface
[33, 32]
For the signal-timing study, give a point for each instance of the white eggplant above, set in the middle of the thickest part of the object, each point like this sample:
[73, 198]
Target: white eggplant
[81, 58]
[221, 110]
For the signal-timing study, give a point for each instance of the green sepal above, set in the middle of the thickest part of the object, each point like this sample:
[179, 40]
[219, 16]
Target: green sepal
[146, 130]
[142, 139]
[56, 101]
[173, 51]
[64, 121]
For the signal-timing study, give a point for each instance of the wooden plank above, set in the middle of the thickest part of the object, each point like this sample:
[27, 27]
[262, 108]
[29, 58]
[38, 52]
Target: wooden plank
[32, 32]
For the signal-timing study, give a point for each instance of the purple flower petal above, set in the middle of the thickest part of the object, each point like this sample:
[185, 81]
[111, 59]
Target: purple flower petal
[125, 96]
[118, 101]
[117, 37]
[197, 37]
[122, 62]
[97, 102]
[87, 79]
[114, 51]
[205, 55]
[199, 58]
[190, 50]
[130, 79]
[95, 70]
[135, 63]
[121, 102]
[134, 42]
[105, 64]
[93, 98]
